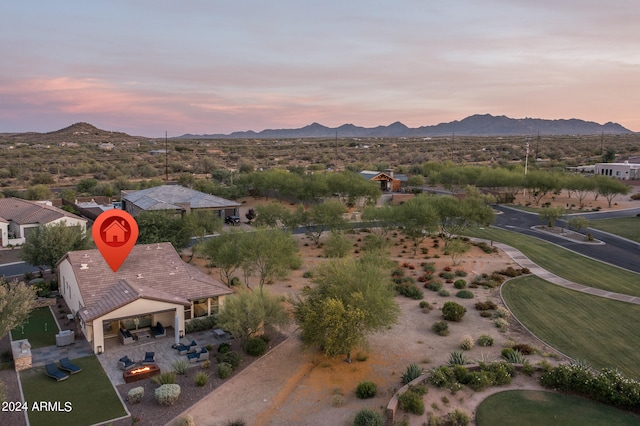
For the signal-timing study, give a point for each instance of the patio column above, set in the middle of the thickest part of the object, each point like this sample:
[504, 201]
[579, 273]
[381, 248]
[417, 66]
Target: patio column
[176, 328]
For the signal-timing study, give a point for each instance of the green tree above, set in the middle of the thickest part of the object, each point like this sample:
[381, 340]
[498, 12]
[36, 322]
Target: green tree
[552, 214]
[610, 188]
[382, 219]
[273, 215]
[337, 244]
[322, 217]
[68, 195]
[457, 247]
[17, 300]
[352, 189]
[250, 313]
[224, 252]
[86, 185]
[540, 183]
[46, 244]
[456, 215]
[270, 253]
[609, 156]
[158, 227]
[352, 299]
[578, 223]
[581, 186]
[419, 218]
[38, 192]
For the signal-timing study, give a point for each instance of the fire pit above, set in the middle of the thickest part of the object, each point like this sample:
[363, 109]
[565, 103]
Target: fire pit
[141, 373]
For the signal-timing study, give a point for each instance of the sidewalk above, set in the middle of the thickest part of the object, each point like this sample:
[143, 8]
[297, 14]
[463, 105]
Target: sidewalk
[525, 262]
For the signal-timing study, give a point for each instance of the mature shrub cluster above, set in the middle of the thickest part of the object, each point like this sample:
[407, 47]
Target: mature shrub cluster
[180, 366]
[411, 373]
[464, 294]
[408, 288]
[467, 343]
[443, 292]
[609, 386]
[501, 323]
[224, 348]
[487, 305]
[135, 395]
[167, 394]
[255, 346]
[200, 324]
[201, 378]
[460, 284]
[512, 272]
[441, 328]
[455, 418]
[232, 358]
[411, 401]
[524, 348]
[366, 417]
[447, 275]
[451, 311]
[366, 390]
[187, 421]
[486, 247]
[434, 285]
[224, 370]
[429, 267]
[454, 377]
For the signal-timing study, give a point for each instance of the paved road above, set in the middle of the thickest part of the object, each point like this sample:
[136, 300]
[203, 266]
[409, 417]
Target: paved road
[17, 269]
[616, 251]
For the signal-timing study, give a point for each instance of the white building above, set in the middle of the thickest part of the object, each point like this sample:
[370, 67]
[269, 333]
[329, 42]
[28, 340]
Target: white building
[622, 171]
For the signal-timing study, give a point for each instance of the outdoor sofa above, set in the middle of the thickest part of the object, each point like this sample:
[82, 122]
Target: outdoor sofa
[52, 371]
[158, 330]
[68, 366]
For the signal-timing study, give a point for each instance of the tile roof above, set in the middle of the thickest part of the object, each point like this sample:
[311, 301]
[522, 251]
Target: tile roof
[25, 212]
[168, 197]
[151, 271]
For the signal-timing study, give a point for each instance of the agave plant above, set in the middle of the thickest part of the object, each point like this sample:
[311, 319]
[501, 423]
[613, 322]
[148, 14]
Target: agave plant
[412, 373]
[515, 357]
[457, 358]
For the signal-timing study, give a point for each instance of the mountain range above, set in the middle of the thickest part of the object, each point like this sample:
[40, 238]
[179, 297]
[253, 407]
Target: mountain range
[475, 125]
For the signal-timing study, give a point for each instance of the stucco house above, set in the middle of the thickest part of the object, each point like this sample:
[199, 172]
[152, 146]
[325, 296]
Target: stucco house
[176, 199]
[18, 217]
[622, 171]
[153, 285]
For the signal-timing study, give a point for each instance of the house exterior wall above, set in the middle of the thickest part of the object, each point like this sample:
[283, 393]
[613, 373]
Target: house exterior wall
[4, 234]
[71, 221]
[68, 287]
[622, 171]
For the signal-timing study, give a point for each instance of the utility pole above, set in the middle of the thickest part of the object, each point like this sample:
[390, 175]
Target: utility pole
[166, 158]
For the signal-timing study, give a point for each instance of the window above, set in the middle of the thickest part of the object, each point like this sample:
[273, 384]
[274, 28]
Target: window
[200, 308]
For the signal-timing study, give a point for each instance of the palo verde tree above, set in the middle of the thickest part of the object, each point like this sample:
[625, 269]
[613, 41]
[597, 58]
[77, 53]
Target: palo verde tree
[250, 313]
[17, 300]
[224, 252]
[610, 188]
[418, 218]
[456, 215]
[321, 217]
[352, 299]
[552, 214]
[46, 244]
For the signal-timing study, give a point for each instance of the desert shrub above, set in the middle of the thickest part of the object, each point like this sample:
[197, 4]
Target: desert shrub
[467, 343]
[201, 378]
[362, 356]
[167, 394]
[464, 294]
[485, 340]
[441, 328]
[480, 380]
[487, 305]
[224, 370]
[455, 418]
[206, 364]
[410, 290]
[411, 373]
[423, 304]
[429, 267]
[412, 402]
[485, 247]
[200, 324]
[165, 378]
[255, 346]
[180, 366]
[501, 372]
[442, 377]
[307, 274]
[447, 275]
[236, 422]
[397, 273]
[527, 368]
[337, 400]
[460, 284]
[224, 348]
[232, 358]
[451, 311]
[135, 395]
[501, 323]
[187, 421]
[443, 292]
[460, 273]
[366, 390]
[501, 313]
[524, 348]
[461, 374]
[635, 196]
[435, 285]
[513, 356]
[457, 358]
[265, 338]
[367, 417]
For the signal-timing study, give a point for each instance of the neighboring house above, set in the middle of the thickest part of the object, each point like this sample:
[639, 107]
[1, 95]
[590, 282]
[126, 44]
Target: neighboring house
[19, 217]
[153, 285]
[176, 199]
[622, 171]
[388, 181]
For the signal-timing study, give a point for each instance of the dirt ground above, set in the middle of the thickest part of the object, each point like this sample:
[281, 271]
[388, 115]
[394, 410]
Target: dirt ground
[296, 387]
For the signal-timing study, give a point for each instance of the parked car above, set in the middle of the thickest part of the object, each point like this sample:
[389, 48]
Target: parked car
[232, 220]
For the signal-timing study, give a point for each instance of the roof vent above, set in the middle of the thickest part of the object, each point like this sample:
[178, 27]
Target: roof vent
[86, 255]
[158, 247]
[84, 266]
[140, 276]
[148, 248]
[126, 292]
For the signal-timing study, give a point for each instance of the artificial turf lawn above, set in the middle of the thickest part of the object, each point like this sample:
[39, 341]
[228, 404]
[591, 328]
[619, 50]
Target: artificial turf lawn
[626, 227]
[601, 331]
[40, 329]
[90, 394]
[523, 408]
[564, 263]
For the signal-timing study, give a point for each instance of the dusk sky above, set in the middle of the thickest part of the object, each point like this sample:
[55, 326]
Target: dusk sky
[217, 66]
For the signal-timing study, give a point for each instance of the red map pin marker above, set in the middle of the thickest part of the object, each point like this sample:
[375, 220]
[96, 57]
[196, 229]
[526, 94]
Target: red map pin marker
[115, 232]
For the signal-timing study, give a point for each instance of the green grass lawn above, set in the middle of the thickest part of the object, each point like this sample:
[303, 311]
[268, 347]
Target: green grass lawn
[523, 408]
[627, 227]
[40, 330]
[565, 263]
[601, 331]
[91, 396]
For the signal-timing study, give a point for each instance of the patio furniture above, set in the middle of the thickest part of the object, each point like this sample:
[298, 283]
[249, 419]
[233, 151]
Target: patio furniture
[125, 363]
[65, 338]
[220, 333]
[68, 366]
[185, 349]
[125, 336]
[201, 355]
[158, 330]
[52, 371]
[149, 358]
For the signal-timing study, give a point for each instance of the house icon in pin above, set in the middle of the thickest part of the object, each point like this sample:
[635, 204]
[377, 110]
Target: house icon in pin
[115, 233]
